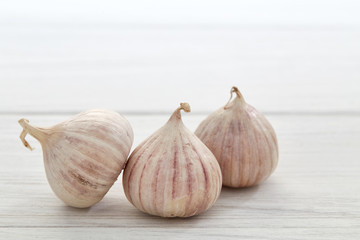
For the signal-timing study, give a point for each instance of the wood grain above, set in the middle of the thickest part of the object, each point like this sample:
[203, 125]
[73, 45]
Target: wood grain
[314, 193]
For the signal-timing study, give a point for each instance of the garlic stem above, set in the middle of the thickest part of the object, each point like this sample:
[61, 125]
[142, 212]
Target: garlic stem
[236, 90]
[183, 106]
[36, 132]
[239, 96]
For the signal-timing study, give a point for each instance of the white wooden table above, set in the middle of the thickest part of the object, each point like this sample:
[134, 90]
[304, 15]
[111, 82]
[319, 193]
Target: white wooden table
[304, 77]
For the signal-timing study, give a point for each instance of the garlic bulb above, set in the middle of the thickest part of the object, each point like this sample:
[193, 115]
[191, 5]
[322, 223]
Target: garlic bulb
[172, 173]
[84, 155]
[243, 142]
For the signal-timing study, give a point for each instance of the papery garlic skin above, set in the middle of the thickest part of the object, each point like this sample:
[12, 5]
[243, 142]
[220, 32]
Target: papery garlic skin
[172, 173]
[242, 140]
[84, 155]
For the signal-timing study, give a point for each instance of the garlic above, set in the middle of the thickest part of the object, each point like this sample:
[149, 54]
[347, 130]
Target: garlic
[172, 173]
[243, 142]
[84, 155]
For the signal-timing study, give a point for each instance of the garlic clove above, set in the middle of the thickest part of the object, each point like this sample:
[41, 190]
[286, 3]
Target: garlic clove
[84, 155]
[172, 173]
[242, 140]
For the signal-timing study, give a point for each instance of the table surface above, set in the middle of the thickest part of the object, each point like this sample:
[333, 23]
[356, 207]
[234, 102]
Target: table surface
[303, 77]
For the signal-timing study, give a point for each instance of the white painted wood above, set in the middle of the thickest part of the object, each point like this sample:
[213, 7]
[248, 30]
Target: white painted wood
[314, 193]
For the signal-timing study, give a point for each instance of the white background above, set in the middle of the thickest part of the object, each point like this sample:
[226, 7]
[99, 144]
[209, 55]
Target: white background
[147, 56]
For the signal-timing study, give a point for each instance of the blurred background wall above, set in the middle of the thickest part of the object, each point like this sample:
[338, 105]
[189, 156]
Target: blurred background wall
[147, 56]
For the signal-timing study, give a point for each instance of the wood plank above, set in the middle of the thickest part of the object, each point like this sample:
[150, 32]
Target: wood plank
[181, 233]
[314, 193]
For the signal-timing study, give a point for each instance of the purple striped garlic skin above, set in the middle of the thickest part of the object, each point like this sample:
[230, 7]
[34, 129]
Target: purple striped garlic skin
[242, 140]
[172, 173]
[84, 155]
